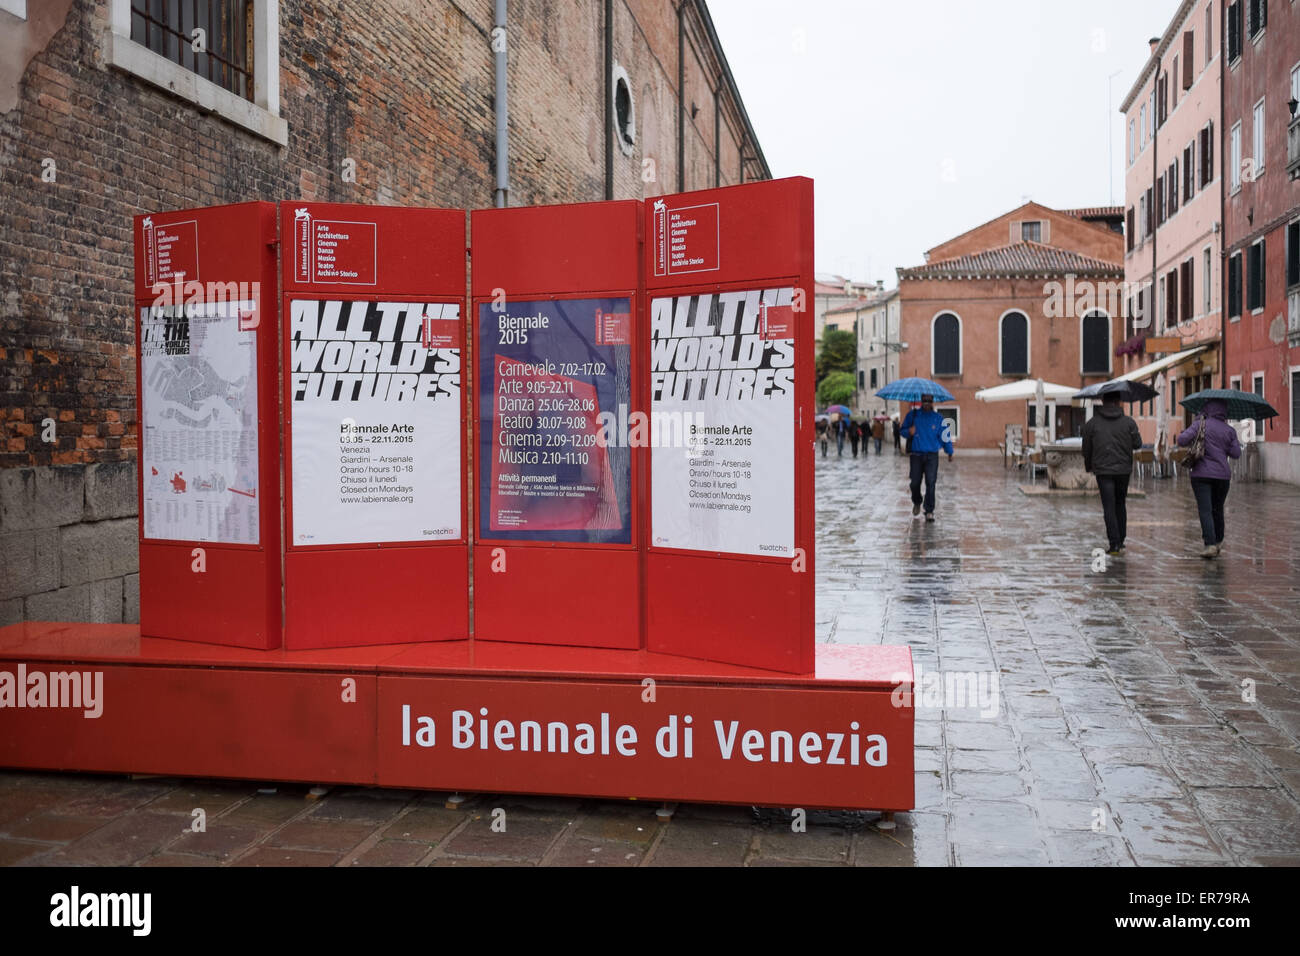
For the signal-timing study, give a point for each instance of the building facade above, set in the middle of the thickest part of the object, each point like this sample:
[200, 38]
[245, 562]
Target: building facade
[110, 108]
[1034, 293]
[1261, 219]
[1172, 260]
[879, 346]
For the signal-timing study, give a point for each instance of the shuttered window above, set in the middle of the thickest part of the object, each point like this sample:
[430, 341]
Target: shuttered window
[1255, 276]
[1096, 344]
[1234, 30]
[1234, 285]
[947, 345]
[1015, 344]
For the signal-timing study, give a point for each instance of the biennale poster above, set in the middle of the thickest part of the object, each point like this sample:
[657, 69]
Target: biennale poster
[723, 365]
[550, 374]
[376, 421]
[198, 397]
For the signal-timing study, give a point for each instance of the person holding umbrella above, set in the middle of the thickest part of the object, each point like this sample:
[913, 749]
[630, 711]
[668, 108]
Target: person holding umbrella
[1213, 441]
[1109, 439]
[927, 432]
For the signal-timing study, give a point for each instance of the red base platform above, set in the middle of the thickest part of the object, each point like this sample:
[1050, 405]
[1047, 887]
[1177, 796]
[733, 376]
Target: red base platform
[462, 715]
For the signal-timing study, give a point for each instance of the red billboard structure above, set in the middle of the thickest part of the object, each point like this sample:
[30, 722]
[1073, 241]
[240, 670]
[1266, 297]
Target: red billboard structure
[639, 462]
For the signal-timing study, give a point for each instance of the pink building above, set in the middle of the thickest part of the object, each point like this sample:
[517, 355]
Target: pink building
[1173, 247]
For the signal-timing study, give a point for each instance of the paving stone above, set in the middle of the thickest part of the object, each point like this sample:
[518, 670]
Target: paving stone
[581, 850]
[320, 835]
[526, 837]
[1165, 830]
[13, 852]
[53, 828]
[426, 825]
[279, 856]
[698, 843]
[178, 859]
[220, 840]
[980, 854]
[391, 853]
[121, 841]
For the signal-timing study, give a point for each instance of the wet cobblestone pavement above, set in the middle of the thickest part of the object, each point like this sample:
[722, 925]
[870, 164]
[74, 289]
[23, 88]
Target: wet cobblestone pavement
[1122, 734]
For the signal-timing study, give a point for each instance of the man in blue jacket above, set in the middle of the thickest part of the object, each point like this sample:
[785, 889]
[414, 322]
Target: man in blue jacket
[928, 432]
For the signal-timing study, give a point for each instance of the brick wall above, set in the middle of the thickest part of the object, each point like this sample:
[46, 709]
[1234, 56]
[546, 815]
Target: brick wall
[402, 88]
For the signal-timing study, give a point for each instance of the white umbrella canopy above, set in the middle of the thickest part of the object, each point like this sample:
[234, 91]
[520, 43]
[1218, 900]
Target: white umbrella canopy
[1026, 390]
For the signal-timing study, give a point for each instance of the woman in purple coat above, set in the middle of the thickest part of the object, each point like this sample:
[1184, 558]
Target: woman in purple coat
[1211, 475]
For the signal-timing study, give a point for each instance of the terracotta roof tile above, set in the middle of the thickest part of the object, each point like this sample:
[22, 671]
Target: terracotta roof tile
[1017, 259]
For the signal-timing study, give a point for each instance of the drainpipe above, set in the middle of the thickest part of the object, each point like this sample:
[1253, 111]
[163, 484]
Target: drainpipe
[681, 96]
[609, 99]
[502, 105]
[1223, 212]
[717, 134]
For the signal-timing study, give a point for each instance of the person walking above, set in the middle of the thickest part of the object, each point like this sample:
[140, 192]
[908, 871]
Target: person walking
[855, 435]
[841, 430]
[1109, 439]
[898, 437]
[1212, 474]
[927, 432]
[877, 433]
[822, 436]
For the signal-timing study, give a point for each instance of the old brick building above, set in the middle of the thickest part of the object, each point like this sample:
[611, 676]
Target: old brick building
[1261, 219]
[108, 108]
[1035, 293]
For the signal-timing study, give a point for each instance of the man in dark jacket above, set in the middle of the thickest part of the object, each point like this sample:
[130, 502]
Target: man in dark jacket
[1109, 439]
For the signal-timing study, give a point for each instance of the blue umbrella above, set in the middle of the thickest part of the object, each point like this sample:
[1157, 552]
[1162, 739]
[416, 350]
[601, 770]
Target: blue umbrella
[838, 409]
[1241, 405]
[911, 390]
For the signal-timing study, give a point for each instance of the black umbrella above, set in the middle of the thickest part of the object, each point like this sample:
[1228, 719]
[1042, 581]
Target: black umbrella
[1241, 405]
[1126, 390]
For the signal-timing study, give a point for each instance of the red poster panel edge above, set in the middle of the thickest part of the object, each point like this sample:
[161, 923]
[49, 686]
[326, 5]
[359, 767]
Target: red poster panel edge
[802, 276]
[268, 437]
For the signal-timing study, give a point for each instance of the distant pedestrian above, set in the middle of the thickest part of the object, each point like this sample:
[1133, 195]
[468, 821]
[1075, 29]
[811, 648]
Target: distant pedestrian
[927, 432]
[877, 434]
[841, 432]
[1212, 474]
[1109, 439]
[822, 435]
[854, 437]
[898, 439]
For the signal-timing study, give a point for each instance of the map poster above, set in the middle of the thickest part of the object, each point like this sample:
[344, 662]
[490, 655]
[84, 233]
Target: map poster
[198, 399]
[552, 374]
[724, 363]
[376, 421]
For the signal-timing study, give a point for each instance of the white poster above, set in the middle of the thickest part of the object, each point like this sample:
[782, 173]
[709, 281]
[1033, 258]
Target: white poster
[376, 429]
[198, 409]
[722, 422]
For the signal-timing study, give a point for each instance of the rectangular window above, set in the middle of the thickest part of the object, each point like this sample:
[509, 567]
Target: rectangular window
[1031, 231]
[873, 378]
[1234, 154]
[1295, 404]
[1258, 17]
[1161, 193]
[1206, 268]
[1162, 99]
[1186, 282]
[1171, 181]
[1257, 386]
[1257, 132]
[1173, 90]
[1234, 285]
[1129, 228]
[1234, 30]
[1189, 172]
[1171, 299]
[1255, 276]
[1206, 142]
[1209, 33]
[1293, 253]
[1189, 48]
[225, 57]
[1142, 124]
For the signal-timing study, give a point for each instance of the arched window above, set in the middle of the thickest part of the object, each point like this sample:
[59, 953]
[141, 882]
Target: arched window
[1095, 348]
[1014, 351]
[945, 348]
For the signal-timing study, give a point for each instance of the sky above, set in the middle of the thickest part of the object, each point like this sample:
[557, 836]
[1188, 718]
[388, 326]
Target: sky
[918, 121]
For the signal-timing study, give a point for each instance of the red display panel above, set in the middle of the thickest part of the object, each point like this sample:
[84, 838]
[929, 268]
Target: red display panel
[376, 546]
[556, 294]
[209, 463]
[729, 349]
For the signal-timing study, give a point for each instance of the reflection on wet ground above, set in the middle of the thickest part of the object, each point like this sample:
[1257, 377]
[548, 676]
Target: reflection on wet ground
[1149, 710]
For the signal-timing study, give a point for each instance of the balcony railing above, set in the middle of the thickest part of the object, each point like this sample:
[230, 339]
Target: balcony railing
[1293, 148]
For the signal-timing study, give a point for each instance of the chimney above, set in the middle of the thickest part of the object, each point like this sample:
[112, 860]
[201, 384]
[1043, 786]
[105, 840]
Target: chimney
[1154, 42]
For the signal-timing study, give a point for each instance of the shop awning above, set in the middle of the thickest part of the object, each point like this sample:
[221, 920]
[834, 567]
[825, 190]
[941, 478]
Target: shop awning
[1160, 365]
